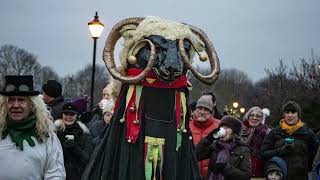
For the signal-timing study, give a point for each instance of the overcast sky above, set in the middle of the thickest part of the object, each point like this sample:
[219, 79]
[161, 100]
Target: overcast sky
[249, 35]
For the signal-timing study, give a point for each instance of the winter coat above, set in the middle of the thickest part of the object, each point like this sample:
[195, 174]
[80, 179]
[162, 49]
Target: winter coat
[281, 164]
[96, 127]
[199, 131]
[315, 171]
[299, 158]
[239, 163]
[56, 107]
[254, 137]
[316, 166]
[78, 154]
[44, 161]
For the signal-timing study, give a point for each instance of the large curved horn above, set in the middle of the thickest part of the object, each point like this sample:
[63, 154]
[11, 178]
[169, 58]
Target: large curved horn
[213, 58]
[108, 55]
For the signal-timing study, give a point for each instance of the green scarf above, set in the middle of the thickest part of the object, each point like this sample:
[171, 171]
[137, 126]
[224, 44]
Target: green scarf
[22, 130]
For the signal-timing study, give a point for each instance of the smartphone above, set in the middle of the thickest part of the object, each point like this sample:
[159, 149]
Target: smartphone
[69, 137]
[289, 140]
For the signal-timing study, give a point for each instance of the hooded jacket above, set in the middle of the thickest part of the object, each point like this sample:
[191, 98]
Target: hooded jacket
[281, 164]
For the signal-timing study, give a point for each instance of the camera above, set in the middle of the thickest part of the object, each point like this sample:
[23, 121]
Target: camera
[221, 133]
[69, 137]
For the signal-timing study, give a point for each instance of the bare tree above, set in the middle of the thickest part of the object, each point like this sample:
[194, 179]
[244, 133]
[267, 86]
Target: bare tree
[232, 85]
[79, 84]
[17, 61]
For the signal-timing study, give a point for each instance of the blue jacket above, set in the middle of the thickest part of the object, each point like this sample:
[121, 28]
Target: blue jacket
[281, 164]
[316, 171]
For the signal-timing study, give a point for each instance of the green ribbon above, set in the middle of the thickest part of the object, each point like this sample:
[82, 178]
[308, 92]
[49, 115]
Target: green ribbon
[154, 156]
[183, 102]
[22, 130]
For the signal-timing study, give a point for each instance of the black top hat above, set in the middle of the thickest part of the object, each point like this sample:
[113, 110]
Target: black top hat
[70, 107]
[21, 85]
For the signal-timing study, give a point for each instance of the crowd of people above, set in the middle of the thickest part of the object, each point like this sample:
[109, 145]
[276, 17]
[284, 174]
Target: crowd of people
[46, 137]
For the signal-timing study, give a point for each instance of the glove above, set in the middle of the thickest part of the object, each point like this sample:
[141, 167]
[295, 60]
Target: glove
[219, 167]
[210, 137]
[69, 144]
[286, 148]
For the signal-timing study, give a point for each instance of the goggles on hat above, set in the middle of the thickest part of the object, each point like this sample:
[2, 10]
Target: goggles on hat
[21, 87]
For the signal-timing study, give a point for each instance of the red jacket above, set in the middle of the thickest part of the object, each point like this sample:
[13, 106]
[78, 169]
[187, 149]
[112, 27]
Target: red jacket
[199, 131]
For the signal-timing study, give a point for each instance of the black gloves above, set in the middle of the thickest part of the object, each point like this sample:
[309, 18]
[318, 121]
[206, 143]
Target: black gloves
[210, 137]
[69, 144]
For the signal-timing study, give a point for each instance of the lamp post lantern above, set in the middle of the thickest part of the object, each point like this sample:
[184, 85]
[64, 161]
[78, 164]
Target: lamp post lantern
[235, 104]
[95, 28]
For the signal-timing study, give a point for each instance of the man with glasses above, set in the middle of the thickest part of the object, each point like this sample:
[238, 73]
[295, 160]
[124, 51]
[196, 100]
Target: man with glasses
[29, 148]
[292, 141]
[201, 125]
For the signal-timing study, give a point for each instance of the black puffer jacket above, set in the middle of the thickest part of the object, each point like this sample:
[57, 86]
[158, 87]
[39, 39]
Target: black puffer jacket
[76, 154]
[300, 157]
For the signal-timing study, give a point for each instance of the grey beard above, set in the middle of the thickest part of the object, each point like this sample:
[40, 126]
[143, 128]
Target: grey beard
[202, 119]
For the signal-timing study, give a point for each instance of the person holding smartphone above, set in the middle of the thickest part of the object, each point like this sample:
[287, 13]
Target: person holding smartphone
[76, 141]
[292, 141]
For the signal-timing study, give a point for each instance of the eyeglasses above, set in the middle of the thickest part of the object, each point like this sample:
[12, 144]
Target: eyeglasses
[257, 116]
[22, 87]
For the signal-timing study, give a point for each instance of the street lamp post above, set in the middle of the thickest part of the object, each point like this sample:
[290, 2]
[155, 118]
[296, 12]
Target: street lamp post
[95, 28]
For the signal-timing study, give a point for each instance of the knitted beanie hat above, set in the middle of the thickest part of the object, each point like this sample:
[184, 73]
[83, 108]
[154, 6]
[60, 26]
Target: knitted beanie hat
[291, 106]
[232, 123]
[52, 88]
[205, 101]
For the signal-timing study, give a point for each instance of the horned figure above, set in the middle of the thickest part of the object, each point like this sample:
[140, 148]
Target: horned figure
[149, 137]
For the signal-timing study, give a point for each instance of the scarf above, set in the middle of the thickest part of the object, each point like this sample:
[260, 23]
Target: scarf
[254, 136]
[22, 130]
[222, 157]
[290, 129]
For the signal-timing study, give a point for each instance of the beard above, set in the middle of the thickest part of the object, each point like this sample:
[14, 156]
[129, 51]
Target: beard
[202, 118]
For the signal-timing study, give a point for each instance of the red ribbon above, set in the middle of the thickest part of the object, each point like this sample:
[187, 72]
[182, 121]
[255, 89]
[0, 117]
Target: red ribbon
[178, 83]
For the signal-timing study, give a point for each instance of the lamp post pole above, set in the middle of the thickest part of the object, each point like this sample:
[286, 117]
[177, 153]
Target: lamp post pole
[93, 71]
[96, 28]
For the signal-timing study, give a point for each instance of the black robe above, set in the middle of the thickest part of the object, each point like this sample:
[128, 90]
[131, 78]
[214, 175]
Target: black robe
[116, 159]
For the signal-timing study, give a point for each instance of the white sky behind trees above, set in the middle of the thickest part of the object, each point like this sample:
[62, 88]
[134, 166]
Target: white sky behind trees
[249, 35]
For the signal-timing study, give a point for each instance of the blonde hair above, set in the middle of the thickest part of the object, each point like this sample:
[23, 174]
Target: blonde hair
[59, 125]
[44, 124]
[255, 108]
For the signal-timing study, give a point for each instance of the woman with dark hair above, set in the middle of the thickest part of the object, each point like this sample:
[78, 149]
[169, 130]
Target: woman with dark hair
[293, 141]
[229, 156]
